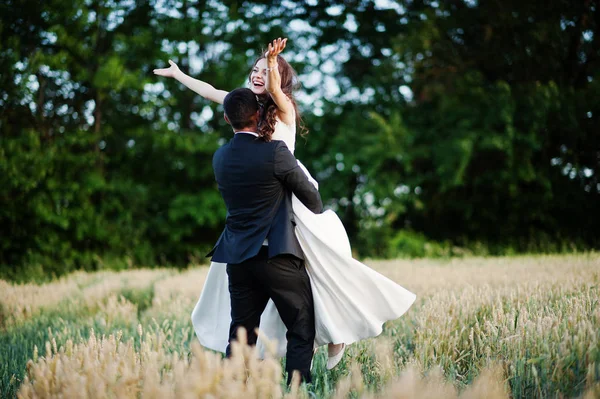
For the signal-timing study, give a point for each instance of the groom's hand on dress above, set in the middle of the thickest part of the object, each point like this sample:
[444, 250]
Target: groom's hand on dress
[294, 178]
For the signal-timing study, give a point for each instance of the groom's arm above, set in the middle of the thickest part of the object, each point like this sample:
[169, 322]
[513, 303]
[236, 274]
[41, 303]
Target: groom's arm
[294, 178]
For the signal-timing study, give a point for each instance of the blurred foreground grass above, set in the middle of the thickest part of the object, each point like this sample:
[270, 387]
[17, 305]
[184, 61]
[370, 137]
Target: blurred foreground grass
[482, 327]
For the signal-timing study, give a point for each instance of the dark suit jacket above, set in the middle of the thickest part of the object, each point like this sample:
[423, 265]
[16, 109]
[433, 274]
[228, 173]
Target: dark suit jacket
[256, 180]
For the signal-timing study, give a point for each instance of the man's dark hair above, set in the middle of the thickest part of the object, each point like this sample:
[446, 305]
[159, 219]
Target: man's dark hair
[240, 106]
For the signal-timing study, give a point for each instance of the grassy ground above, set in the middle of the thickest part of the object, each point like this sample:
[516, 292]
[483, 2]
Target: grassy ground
[481, 327]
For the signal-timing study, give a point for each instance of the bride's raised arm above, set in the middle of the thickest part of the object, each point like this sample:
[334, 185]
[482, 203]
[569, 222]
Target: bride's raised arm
[273, 83]
[204, 89]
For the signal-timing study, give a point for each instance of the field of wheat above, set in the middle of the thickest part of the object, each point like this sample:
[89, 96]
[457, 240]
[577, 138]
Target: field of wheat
[481, 328]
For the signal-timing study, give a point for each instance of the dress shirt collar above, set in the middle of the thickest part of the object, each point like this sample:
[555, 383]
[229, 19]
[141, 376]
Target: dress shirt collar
[252, 133]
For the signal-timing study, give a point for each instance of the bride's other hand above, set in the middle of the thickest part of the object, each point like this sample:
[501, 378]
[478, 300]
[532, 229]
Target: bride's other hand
[206, 90]
[170, 72]
[275, 48]
[273, 82]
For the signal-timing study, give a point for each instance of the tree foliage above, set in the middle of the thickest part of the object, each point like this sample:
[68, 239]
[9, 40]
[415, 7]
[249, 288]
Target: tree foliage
[471, 123]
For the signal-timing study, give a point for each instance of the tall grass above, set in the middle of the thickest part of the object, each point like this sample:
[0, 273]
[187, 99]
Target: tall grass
[482, 327]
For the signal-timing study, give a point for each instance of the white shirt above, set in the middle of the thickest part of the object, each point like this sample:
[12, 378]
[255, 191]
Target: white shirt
[252, 133]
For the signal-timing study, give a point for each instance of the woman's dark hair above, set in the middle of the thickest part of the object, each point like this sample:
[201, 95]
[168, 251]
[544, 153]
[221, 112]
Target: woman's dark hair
[240, 106]
[289, 83]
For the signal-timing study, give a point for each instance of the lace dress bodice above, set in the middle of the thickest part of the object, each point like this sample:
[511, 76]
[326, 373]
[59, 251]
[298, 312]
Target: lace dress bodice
[286, 133]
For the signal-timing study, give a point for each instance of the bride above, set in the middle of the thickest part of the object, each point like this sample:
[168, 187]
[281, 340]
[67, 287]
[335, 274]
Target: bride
[351, 300]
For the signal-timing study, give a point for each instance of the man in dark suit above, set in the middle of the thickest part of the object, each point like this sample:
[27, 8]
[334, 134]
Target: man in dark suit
[264, 259]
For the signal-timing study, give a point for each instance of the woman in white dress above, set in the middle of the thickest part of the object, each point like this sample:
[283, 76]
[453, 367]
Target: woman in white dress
[351, 300]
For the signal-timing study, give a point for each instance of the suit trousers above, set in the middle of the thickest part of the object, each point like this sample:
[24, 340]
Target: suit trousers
[283, 279]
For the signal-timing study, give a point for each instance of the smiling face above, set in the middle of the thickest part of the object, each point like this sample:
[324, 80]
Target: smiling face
[258, 77]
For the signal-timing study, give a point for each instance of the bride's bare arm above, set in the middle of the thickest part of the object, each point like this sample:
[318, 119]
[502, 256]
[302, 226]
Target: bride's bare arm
[204, 89]
[273, 83]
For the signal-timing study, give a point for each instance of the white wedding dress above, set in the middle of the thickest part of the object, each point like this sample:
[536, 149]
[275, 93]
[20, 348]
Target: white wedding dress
[351, 300]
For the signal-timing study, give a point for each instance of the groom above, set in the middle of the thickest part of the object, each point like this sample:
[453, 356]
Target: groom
[264, 259]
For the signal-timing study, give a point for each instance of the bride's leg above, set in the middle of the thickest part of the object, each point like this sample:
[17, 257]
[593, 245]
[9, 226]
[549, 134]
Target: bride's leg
[334, 349]
[335, 354]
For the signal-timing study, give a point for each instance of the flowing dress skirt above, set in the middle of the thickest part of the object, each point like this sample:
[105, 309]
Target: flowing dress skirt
[352, 301]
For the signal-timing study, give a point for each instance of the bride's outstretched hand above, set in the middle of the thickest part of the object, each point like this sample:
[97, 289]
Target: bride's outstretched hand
[275, 48]
[168, 72]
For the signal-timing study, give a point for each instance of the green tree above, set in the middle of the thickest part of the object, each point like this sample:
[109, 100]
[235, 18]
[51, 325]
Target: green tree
[463, 121]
